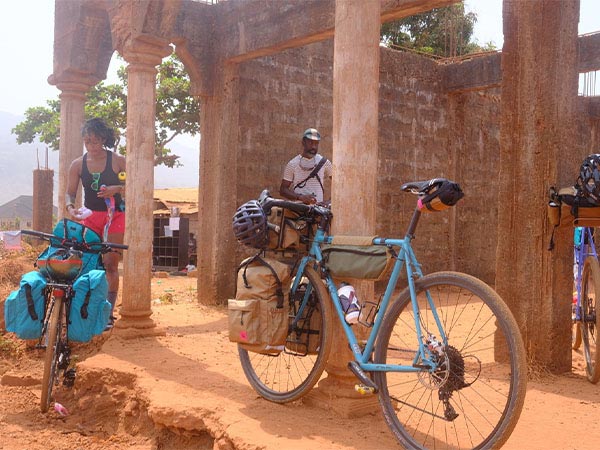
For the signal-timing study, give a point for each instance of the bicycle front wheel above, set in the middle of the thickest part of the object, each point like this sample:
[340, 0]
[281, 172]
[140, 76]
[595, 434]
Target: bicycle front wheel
[590, 290]
[474, 397]
[290, 374]
[52, 353]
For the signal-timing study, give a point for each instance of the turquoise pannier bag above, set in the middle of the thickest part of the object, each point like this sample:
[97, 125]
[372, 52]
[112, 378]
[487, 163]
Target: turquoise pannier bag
[90, 311]
[24, 308]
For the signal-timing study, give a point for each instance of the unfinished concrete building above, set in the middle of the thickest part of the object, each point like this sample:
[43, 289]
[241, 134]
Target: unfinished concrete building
[506, 126]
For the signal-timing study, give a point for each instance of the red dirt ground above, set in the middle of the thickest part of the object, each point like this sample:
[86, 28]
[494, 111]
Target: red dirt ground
[185, 390]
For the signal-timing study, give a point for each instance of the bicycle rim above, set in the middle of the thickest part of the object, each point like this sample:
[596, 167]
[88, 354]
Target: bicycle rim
[590, 288]
[52, 354]
[289, 375]
[475, 397]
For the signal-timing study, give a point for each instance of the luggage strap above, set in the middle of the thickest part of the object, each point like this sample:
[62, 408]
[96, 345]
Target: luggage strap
[30, 305]
[257, 257]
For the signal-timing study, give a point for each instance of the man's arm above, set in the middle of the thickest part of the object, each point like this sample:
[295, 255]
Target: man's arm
[285, 190]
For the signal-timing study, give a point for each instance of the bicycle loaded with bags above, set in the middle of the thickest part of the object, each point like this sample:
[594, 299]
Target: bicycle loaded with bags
[63, 301]
[578, 206]
[445, 358]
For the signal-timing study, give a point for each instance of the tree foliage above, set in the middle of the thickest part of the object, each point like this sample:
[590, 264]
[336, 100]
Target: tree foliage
[177, 112]
[444, 32]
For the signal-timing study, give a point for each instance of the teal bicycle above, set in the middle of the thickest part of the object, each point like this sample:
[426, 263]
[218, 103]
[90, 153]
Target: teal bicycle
[445, 356]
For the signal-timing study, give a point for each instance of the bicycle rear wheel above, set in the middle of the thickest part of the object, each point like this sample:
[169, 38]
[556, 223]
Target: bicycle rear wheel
[590, 290]
[475, 396]
[289, 375]
[52, 353]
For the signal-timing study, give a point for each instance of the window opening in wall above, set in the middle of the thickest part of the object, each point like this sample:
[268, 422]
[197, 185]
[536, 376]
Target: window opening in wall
[589, 83]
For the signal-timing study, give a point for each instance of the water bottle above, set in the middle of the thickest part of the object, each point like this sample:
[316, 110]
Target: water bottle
[350, 304]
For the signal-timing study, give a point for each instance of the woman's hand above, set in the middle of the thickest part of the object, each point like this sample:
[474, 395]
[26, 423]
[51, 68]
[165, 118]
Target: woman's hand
[109, 191]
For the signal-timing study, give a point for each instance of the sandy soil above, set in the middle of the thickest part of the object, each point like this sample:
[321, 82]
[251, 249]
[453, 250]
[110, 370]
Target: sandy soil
[185, 390]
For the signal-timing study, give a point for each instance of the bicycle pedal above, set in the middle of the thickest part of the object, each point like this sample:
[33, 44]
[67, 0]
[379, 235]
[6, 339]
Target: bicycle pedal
[364, 390]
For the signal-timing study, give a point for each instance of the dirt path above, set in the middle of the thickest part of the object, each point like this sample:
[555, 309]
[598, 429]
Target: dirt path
[186, 390]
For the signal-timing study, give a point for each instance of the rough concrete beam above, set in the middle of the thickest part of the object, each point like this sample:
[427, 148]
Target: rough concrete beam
[484, 72]
[249, 29]
[589, 52]
[481, 72]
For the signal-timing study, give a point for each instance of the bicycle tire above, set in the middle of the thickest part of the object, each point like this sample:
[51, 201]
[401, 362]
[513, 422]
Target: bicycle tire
[590, 290]
[52, 354]
[484, 388]
[287, 376]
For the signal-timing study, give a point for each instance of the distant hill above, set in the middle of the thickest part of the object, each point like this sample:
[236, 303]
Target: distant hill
[17, 163]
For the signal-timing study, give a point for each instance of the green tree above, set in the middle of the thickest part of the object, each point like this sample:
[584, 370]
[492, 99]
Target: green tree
[177, 112]
[441, 32]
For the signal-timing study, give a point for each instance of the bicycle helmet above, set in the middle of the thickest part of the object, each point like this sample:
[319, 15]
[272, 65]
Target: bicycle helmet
[250, 225]
[62, 265]
[588, 183]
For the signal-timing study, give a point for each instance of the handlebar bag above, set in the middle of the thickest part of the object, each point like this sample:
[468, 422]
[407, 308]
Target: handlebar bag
[90, 311]
[288, 230]
[68, 229]
[24, 308]
[258, 316]
[360, 262]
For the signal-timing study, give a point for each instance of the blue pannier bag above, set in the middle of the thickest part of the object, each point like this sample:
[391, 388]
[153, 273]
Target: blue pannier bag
[90, 311]
[24, 308]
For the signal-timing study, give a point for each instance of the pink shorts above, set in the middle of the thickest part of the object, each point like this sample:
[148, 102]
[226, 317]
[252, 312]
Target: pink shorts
[98, 220]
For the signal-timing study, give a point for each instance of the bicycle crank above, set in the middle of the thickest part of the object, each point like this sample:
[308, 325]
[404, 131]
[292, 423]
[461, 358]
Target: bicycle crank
[367, 385]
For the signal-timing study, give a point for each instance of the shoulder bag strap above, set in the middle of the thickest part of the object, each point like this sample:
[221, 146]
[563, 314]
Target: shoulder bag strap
[313, 173]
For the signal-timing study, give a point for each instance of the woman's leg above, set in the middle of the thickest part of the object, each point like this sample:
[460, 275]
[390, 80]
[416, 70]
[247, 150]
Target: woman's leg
[111, 265]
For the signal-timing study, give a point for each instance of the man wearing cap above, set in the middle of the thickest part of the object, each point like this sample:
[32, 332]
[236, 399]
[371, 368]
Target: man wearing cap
[303, 176]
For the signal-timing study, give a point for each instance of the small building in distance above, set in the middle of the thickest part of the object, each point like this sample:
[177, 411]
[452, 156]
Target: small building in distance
[175, 214]
[18, 213]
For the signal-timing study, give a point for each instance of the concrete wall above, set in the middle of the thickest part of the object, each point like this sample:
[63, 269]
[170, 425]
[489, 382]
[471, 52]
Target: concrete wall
[425, 132]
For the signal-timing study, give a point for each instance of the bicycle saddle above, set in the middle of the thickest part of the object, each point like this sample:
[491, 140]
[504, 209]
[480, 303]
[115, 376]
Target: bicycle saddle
[421, 186]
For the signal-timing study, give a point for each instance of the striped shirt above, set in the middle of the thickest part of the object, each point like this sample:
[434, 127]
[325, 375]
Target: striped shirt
[295, 172]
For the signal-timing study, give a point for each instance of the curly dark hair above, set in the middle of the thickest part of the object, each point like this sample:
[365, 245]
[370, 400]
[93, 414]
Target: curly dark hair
[99, 128]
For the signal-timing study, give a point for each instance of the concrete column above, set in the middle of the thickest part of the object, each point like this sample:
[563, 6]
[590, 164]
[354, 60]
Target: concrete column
[43, 189]
[217, 194]
[537, 150]
[354, 184]
[72, 101]
[142, 59]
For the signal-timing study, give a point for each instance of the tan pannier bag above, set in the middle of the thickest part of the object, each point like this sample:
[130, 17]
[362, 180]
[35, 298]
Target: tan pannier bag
[258, 316]
[287, 230]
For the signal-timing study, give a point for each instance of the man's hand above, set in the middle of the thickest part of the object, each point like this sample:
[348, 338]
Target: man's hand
[307, 199]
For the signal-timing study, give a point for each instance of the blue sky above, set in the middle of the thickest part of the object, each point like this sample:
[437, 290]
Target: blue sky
[27, 33]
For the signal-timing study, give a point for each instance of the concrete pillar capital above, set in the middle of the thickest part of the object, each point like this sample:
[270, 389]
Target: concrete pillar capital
[73, 82]
[146, 52]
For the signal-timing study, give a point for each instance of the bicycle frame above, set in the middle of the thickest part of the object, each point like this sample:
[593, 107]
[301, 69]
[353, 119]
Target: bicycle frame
[584, 246]
[405, 260]
[51, 302]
